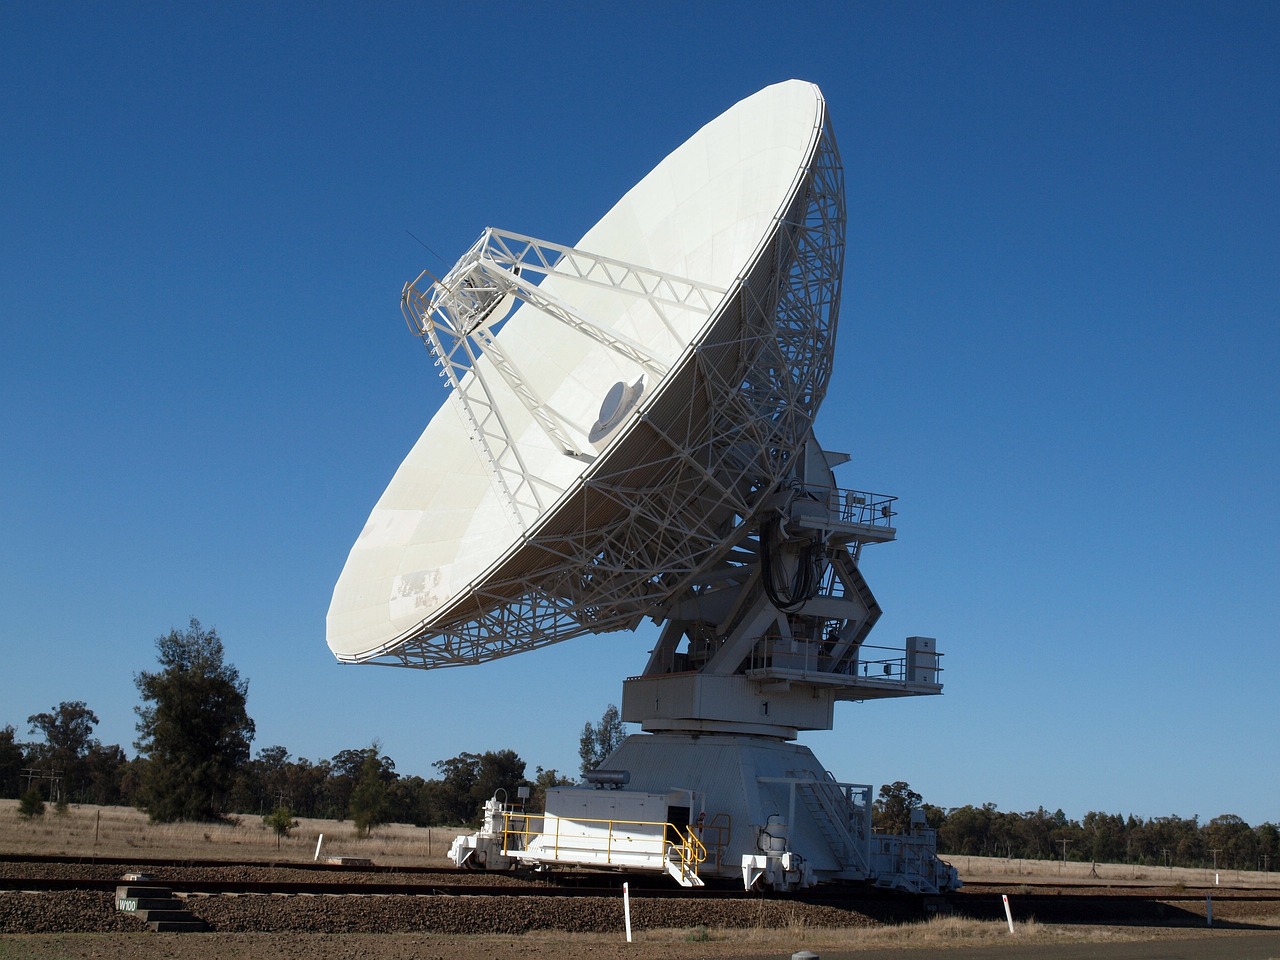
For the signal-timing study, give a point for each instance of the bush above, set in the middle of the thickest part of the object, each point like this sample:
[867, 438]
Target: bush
[280, 821]
[32, 804]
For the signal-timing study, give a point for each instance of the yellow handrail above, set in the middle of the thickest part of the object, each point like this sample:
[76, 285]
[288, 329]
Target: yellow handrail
[716, 833]
[690, 852]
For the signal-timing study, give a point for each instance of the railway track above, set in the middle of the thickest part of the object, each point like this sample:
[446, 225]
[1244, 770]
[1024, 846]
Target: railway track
[223, 863]
[54, 873]
[349, 888]
[76, 894]
[193, 876]
[1162, 890]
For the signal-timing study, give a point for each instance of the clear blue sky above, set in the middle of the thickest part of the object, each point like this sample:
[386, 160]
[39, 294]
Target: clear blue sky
[1058, 346]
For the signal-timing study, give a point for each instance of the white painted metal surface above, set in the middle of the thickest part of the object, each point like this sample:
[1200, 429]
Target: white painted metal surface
[602, 828]
[629, 434]
[506, 528]
[597, 828]
[720, 806]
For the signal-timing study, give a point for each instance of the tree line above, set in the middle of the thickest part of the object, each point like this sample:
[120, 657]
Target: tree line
[1226, 842]
[194, 762]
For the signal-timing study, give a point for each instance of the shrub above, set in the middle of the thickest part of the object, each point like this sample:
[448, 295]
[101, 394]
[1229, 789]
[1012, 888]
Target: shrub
[32, 804]
[280, 821]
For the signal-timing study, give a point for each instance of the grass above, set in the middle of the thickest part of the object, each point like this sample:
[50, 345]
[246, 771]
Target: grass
[87, 830]
[118, 832]
[934, 933]
[999, 869]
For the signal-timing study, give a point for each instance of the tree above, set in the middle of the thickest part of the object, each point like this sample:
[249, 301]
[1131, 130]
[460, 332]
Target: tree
[132, 776]
[543, 780]
[68, 729]
[1268, 835]
[468, 780]
[1034, 832]
[935, 817]
[1104, 837]
[1235, 839]
[499, 769]
[345, 772]
[450, 796]
[306, 783]
[68, 734]
[281, 821]
[405, 801]
[892, 813]
[369, 798]
[11, 762]
[967, 830]
[194, 729]
[106, 766]
[261, 784]
[272, 769]
[599, 741]
[31, 804]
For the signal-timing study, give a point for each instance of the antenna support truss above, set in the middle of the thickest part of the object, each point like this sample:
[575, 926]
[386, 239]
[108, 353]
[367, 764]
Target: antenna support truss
[634, 536]
[457, 315]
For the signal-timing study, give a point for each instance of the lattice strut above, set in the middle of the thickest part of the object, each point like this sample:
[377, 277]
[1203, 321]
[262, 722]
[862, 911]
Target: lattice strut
[708, 453]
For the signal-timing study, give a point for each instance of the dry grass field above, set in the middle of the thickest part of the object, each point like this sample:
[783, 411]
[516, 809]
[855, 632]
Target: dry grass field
[87, 831]
[999, 870]
[91, 831]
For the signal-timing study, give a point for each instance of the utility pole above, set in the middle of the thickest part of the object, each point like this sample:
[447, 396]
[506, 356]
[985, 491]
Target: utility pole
[54, 776]
[1064, 856]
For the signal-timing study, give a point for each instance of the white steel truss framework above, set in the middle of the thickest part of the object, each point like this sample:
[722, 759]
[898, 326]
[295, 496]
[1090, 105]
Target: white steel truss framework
[456, 317]
[685, 484]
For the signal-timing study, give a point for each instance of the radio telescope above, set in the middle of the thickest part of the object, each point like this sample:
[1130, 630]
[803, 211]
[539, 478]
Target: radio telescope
[628, 435]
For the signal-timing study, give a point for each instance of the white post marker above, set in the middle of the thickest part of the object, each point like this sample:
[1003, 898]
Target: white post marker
[1007, 912]
[318, 842]
[626, 907]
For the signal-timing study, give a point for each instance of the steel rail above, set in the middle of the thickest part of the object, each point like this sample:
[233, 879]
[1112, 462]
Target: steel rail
[829, 895]
[1162, 891]
[459, 883]
[179, 862]
[372, 889]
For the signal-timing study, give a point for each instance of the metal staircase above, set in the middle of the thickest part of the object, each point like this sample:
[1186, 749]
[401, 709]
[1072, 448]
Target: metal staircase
[835, 817]
[158, 908]
[682, 859]
[683, 872]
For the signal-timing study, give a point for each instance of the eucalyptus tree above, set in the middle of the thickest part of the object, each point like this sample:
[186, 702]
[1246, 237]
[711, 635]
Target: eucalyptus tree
[193, 727]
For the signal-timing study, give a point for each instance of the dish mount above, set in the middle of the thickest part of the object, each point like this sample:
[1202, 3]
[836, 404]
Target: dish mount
[630, 436]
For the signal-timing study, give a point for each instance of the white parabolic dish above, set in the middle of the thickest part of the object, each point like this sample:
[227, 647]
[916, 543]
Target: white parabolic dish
[465, 559]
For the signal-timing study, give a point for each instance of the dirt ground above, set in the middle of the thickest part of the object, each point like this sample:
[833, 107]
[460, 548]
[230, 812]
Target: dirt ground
[88, 830]
[1102, 943]
[109, 832]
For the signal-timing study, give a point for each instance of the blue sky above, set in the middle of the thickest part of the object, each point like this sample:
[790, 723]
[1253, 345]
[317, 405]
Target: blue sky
[1058, 347]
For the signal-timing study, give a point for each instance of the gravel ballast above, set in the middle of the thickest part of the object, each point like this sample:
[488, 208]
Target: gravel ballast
[88, 912]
